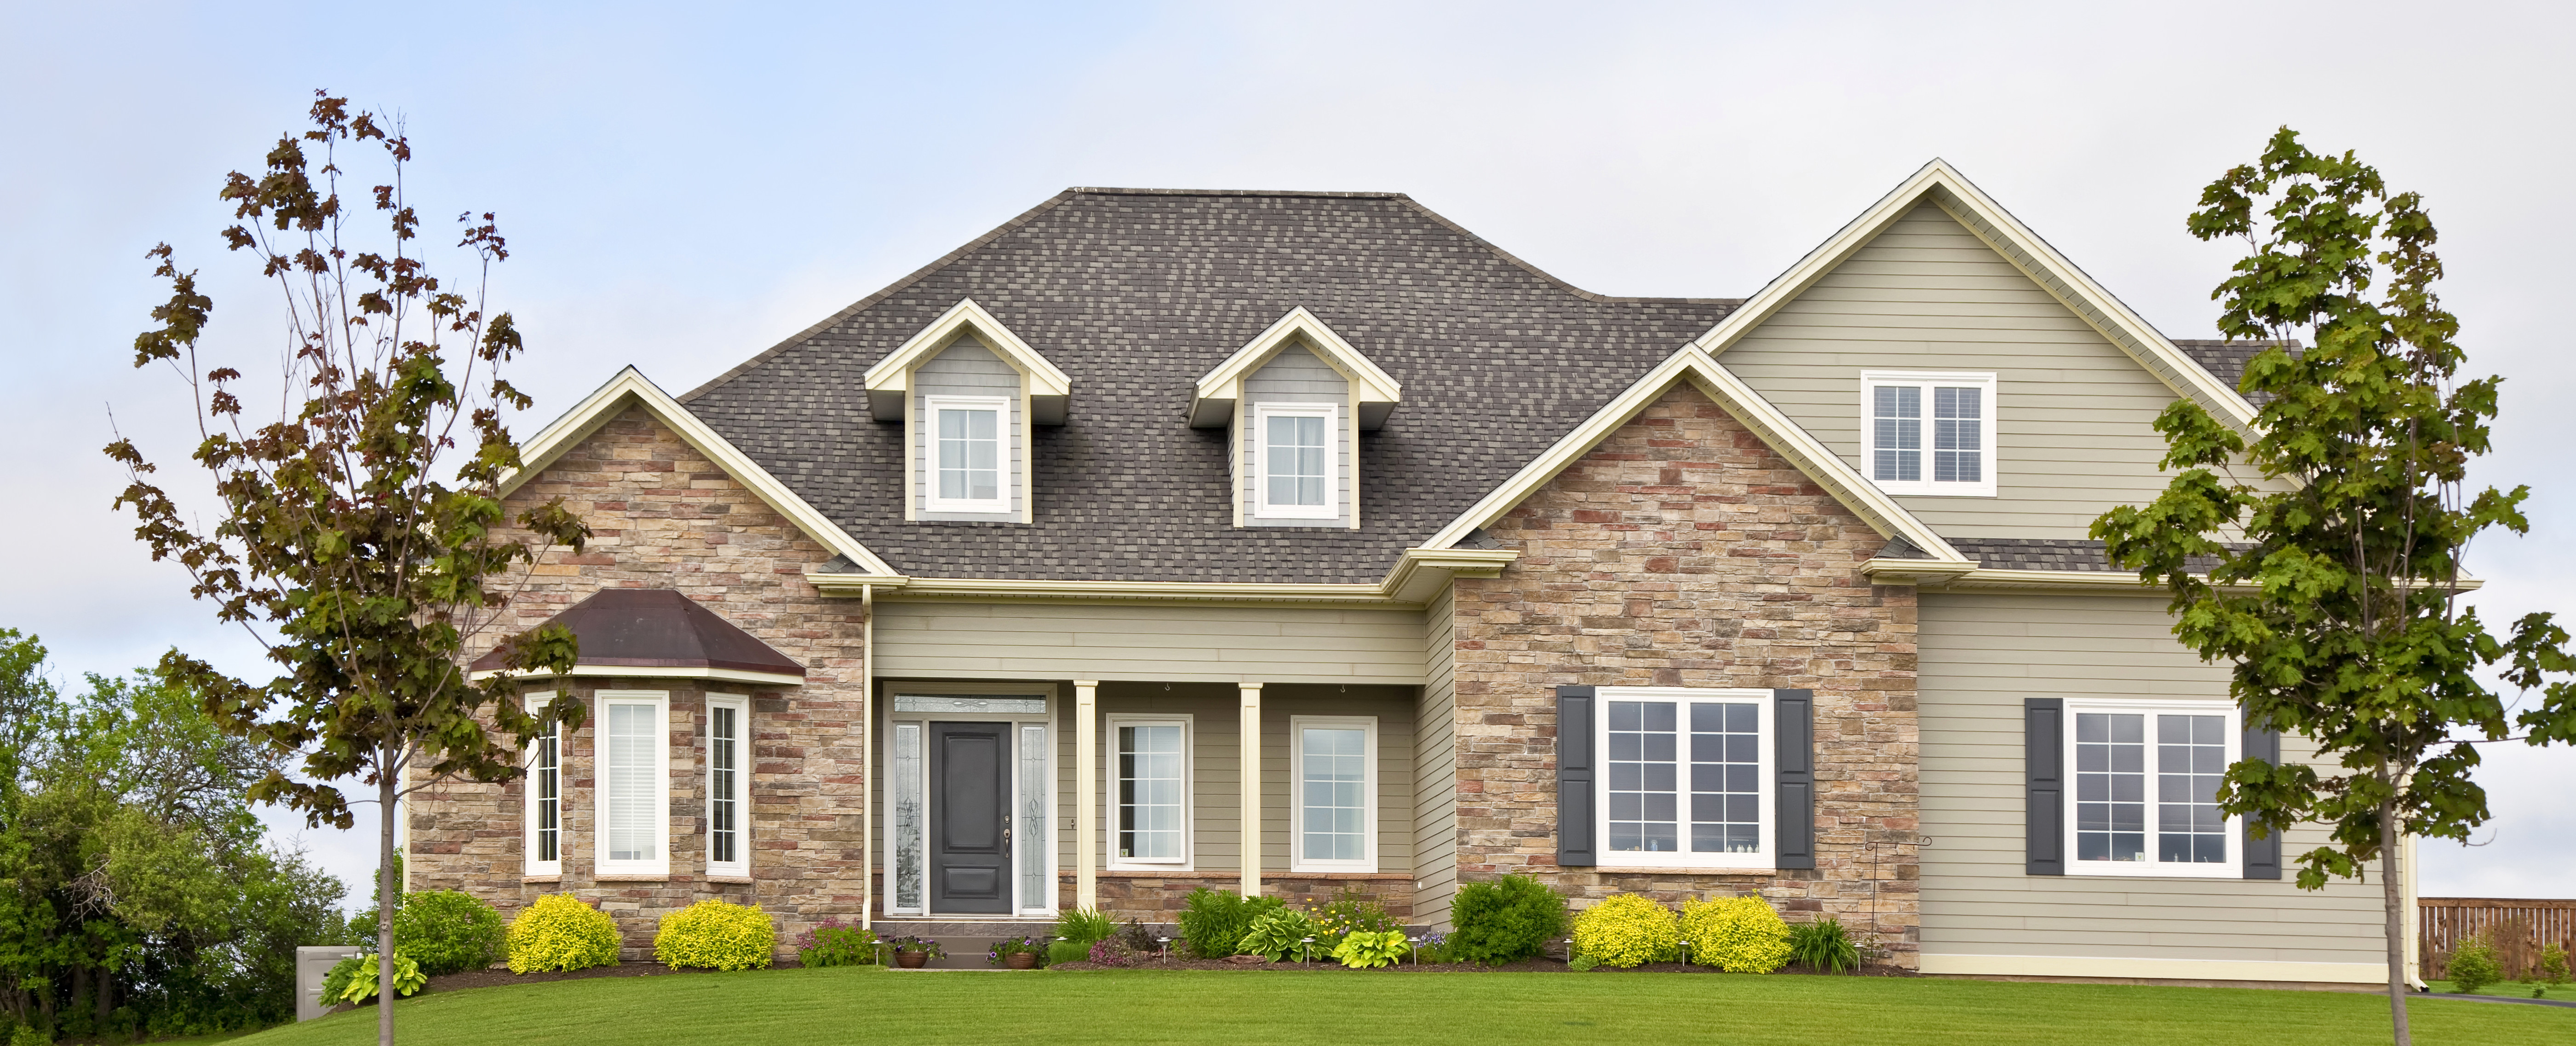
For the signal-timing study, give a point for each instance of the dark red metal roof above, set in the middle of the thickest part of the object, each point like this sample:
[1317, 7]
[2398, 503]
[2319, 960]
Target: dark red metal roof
[659, 628]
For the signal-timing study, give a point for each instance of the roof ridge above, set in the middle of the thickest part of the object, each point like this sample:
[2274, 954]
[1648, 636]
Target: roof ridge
[1103, 190]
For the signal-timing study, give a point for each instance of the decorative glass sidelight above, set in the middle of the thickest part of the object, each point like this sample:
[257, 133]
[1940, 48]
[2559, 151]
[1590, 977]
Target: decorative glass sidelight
[1035, 857]
[910, 818]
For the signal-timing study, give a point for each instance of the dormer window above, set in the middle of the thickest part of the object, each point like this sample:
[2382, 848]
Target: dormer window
[1928, 432]
[1296, 399]
[966, 452]
[967, 391]
[1295, 460]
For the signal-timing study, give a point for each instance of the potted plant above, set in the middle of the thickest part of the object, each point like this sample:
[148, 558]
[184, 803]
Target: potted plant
[1018, 953]
[912, 953]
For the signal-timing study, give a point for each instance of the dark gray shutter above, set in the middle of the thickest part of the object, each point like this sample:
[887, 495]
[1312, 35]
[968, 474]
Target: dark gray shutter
[2262, 856]
[1577, 838]
[2043, 763]
[1793, 747]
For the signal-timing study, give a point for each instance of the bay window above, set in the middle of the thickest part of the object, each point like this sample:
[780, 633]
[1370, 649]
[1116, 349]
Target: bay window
[545, 842]
[728, 785]
[634, 783]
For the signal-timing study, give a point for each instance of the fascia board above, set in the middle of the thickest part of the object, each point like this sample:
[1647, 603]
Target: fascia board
[630, 384]
[1418, 575]
[1829, 471]
[1943, 186]
[893, 374]
[730, 675]
[1224, 384]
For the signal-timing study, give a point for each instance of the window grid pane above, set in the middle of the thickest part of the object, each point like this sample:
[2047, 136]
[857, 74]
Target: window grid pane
[1294, 456]
[970, 454]
[2110, 787]
[1644, 790]
[2191, 758]
[1726, 785]
[1332, 778]
[1149, 793]
[631, 766]
[722, 802]
[1958, 435]
[546, 778]
[1896, 413]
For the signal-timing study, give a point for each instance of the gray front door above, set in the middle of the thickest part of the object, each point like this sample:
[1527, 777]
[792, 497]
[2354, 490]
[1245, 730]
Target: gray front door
[970, 810]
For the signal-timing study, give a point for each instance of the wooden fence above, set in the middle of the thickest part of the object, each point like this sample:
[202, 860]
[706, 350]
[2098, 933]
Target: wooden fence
[2518, 929]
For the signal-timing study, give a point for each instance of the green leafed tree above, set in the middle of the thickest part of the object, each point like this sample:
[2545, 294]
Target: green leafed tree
[355, 531]
[2332, 532]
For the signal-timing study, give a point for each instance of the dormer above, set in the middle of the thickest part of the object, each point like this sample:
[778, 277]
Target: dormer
[967, 391]
[1294, 400]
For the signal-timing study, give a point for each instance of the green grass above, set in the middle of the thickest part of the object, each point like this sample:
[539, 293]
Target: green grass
[810, 1007]
[2516, 989]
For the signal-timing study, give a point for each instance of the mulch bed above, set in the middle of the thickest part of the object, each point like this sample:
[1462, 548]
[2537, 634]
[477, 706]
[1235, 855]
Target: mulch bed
[500, 976]
[1542, 965]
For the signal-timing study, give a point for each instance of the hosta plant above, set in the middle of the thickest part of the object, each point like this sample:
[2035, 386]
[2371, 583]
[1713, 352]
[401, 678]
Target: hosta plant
[1279, 935]
[1369, 949]
[353, 981]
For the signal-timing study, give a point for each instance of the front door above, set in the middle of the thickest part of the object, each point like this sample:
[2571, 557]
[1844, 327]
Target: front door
[970, 818]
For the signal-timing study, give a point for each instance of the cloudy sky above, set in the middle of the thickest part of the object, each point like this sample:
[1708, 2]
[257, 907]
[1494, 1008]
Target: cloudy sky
[684, 185]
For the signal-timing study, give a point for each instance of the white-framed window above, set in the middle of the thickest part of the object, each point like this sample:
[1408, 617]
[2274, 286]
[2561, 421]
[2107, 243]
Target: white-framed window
[728, 784]
[1295, 470]
[2146, 788]
[1686, 777]
[545, 843]
[1928, 432]
[1149, 791]
[967, 467]
[633, 771]
[1333, 812]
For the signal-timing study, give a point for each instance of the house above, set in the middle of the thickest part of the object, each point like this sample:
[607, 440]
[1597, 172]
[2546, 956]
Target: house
[1305, 543]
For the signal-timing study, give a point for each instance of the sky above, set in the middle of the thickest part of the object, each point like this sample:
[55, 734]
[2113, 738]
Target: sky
[685, 185]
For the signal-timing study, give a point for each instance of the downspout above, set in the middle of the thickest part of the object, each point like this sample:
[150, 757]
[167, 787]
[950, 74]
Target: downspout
[867, 755]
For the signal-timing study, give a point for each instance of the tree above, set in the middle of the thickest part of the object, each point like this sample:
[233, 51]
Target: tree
[2333, 580]
[351, 542]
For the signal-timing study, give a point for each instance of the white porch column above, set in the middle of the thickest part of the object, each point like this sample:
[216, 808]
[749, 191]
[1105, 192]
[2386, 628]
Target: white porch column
[1249, 724]
[1086, 793]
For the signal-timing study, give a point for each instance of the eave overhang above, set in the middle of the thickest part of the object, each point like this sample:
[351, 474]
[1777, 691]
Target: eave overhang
[889, 382]
[1373, 393]
[1419, 576]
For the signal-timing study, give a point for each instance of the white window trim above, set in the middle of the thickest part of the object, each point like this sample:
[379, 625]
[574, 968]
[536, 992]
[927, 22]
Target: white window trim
[536, 705]
[1006, 468]
[602, 785]
[1189, 788]
[1990, 464]
[1767, 775]
[1297, 861]
[2233, 831]
[741, 705]
[1331, 509]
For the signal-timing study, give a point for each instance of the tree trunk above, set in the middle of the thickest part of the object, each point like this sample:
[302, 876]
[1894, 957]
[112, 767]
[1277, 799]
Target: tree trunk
[388, 894]
[2396, 897]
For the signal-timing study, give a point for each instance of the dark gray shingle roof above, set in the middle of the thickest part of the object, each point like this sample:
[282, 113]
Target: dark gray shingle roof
[2226, 360]
[1135, 294]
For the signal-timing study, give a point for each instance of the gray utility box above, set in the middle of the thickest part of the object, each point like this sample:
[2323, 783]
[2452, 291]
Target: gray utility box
[312, 963]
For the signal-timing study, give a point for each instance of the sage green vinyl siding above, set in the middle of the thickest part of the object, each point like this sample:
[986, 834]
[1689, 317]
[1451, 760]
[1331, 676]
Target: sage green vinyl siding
[1392, 707]
[2073, 413]
[1295, 375]
[967, 368]
[1160, 642]
[1980, 656]
[1435, 805]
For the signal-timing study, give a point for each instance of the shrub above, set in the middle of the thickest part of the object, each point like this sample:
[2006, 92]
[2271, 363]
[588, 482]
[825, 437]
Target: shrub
[1084, 925]
[1068, 951]
[1278, 934]
[1821, 946]
[27, 1035]
[836, 943]
[1510, 919]
[353, 980]
[448, 931]
[1214, 921]
[716, 935]
[2472, 966]
[561, 933]
[1368, 949]
[1737, 934]
[1117, 952]
[1626, 930]
[2553, 964]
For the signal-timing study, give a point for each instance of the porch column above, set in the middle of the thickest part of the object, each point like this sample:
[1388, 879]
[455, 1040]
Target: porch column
[1086, 793]
[1250, 726]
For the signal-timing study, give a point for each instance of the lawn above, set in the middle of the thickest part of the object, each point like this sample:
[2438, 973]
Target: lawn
[2516, 989]
[866, 1005]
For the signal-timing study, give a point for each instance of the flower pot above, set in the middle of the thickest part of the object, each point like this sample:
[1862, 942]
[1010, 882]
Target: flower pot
[1021, 960]
[912, 960]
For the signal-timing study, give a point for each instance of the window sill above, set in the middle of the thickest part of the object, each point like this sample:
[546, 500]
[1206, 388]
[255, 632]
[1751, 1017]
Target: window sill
[728, 878]
[1621, 869]
[1154, 870]
[632, 877]
[551, 878]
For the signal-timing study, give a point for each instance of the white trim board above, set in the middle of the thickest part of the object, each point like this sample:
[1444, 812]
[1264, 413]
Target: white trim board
[2154, 969]
[631, 386]
[1941, 185]
[1373, 393]
[889, 382]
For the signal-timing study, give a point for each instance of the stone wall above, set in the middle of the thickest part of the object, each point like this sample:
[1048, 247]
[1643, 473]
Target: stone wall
[1158, 898]
[1684, 552]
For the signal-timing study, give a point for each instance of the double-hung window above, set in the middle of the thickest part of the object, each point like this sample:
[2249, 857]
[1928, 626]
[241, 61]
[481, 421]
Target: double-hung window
[545, 844]
[1928, 432]
[634, 782]
[1334, 813]
[1295, 460]
[1686, 777]
[968, 467]
[1151, 775]
[728, 785]
[2146, 788]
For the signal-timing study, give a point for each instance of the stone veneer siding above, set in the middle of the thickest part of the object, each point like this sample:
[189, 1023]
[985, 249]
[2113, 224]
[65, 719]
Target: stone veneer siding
[1684, 552]
[663, 516]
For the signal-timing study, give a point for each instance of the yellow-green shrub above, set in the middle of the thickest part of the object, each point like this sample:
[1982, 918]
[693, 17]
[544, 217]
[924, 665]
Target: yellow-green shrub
[716, 935]
[561, 933]
[1735, 934]
[1626, 930]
